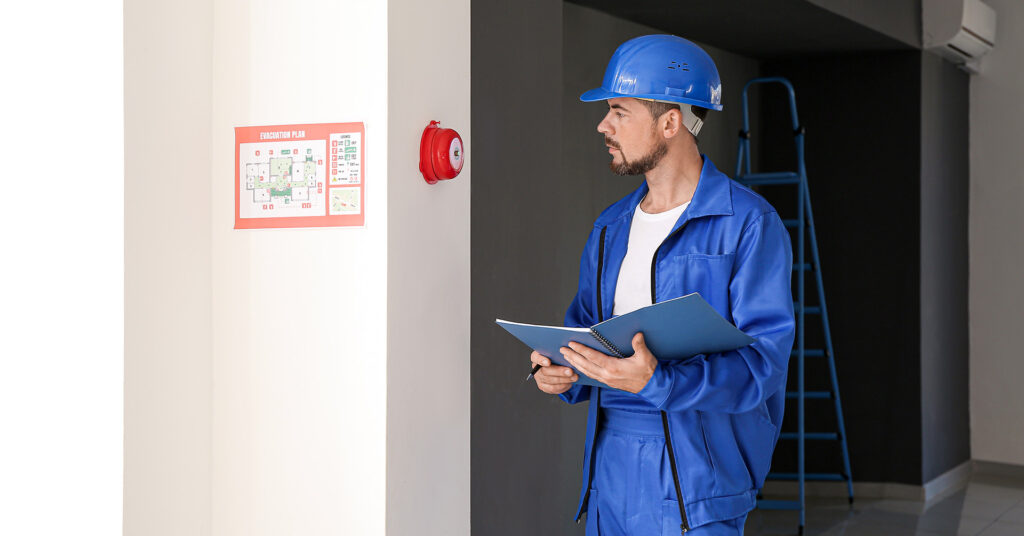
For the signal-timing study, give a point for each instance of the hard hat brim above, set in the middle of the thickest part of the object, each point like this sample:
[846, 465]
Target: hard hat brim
[599, 94]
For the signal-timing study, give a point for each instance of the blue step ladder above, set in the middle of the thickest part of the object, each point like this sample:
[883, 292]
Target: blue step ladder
[804, 226]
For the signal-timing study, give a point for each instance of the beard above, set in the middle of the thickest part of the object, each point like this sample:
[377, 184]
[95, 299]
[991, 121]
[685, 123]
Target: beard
[641, 165]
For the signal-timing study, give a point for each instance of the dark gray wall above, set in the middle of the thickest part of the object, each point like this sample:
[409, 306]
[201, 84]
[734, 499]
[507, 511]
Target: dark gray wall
[540, 178]
[887, 167]
[524, 444]
[887, 182]
[862, 119]
[945, 421]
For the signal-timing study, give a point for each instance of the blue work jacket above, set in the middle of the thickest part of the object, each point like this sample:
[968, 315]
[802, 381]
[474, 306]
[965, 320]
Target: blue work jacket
[724, 410]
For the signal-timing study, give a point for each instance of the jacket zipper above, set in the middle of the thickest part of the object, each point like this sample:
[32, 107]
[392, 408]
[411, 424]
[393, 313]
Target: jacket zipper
[600, 268]
[684, 525]
[600, 317]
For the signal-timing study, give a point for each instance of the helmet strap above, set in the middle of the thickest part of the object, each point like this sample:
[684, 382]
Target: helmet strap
[690, 120]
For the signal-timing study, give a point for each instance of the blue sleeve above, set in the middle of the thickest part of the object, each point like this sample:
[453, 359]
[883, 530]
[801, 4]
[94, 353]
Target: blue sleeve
[582, 312]
[740, 380]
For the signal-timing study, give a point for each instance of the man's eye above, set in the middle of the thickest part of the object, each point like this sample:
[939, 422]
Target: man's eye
[619, 114]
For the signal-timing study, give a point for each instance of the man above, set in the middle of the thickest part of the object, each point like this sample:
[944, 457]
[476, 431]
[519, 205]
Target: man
[703, 428]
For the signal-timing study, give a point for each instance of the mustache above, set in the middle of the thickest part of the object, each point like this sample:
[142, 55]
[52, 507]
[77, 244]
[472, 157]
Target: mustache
[608, 141]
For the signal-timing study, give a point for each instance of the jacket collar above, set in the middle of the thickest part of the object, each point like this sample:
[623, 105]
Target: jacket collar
[713, 196]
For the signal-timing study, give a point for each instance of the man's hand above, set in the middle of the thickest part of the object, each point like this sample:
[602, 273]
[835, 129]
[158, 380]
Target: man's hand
[552, 379]
[629, 374]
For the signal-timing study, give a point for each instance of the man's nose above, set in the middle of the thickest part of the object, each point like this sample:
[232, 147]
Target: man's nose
[603, 127]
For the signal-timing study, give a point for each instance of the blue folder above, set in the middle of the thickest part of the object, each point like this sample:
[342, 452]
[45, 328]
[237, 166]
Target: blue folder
[679, 328]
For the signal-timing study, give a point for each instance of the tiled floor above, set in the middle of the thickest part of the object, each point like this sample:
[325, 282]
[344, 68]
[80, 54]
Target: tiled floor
[989, 506]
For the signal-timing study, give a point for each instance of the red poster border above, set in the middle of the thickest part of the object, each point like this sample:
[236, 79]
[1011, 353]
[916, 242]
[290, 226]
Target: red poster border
[313, 131]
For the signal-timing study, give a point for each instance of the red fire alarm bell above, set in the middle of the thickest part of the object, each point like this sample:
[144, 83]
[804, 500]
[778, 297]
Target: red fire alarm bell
[441, 153]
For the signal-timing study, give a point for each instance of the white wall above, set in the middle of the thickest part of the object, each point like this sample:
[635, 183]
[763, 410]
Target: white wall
[61, 257]
[428, 274]
[296, 381]
[167, 267]
[997, 244]
[299, 325]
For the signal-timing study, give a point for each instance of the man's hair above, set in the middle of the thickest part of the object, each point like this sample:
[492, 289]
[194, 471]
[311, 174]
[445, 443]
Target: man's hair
[658, 108]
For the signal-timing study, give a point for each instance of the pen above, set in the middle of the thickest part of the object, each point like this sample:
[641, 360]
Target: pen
[532, 372]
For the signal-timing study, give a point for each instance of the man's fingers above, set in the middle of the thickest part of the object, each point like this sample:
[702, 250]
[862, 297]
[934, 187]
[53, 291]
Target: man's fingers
[538, 359]
[582, 364]
[597, 359]
[557, 381]
[553, 389]
[552, 379]
[639, 344]
[556, 374]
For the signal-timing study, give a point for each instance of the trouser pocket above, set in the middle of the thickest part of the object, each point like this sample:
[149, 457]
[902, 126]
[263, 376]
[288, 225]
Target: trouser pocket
[671, 522]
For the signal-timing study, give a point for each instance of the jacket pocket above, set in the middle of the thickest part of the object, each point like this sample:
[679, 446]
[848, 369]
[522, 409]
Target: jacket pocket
[767, 440]
[706, 274]
[740, 445]
[704, 434]
[757, 443]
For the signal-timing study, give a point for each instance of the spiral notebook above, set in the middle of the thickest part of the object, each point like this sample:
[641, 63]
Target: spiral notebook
[679, 328]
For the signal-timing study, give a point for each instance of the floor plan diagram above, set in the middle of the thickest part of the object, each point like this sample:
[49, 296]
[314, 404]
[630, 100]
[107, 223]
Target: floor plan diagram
[299, 176]
[283, 179]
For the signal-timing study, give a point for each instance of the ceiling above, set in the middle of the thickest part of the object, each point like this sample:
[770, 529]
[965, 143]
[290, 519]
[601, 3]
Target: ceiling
[761, 29]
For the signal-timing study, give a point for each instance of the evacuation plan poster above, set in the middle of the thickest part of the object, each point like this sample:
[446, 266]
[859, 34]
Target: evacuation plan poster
[299, 176]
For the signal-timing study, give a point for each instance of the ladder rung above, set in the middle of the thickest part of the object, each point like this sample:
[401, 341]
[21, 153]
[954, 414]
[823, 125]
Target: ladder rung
[810, 309]
[766, 504]
[817, 436]
[809, 353]
[799, 225]
[835, 477]
[809, 394]
[783, 177]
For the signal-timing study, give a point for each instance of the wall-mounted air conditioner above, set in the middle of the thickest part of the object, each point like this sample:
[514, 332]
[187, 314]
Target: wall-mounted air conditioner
[959, 30]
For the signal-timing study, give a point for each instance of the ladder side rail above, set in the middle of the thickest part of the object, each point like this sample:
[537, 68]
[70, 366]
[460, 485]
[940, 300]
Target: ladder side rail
[841, 425]
[743, 158]
[805, 232]
[801, 330]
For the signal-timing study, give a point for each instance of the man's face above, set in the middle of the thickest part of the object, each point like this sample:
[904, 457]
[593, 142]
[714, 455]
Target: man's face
[630, 133]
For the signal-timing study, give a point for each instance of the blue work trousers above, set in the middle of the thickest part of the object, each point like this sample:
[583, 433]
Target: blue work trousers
[632, 492]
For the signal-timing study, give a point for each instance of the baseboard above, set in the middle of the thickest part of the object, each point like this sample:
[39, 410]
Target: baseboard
[873, 490]
[983, 467]
[949, 481]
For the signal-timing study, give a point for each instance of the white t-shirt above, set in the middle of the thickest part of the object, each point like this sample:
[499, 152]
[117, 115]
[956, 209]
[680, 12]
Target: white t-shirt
[633, 289]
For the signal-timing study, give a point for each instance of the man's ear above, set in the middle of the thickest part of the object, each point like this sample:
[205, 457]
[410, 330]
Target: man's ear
[671, 123]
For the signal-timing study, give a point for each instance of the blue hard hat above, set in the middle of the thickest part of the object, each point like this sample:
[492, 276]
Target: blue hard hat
[661, 67]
